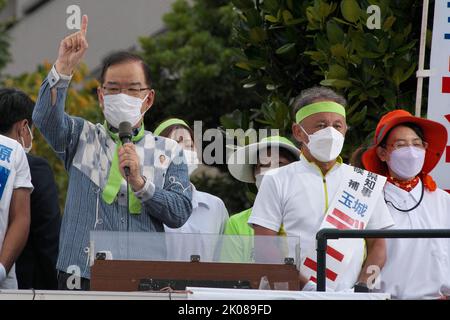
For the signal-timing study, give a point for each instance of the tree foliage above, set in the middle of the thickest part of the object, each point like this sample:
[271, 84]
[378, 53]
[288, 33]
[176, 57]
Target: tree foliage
[4, 40]
[81, 101]
[192, 64]
[291, 45]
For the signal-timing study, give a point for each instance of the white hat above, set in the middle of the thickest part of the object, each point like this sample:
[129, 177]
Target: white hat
[242, 161]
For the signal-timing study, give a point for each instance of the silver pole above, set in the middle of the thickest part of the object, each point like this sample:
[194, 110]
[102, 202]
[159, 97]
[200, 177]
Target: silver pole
[420, 75]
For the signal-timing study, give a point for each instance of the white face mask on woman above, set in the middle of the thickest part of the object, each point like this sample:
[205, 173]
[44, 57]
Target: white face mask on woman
[122, 107]
[407, 162]
[326, 144]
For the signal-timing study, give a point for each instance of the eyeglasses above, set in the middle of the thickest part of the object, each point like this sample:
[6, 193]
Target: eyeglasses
[131, 91]
[402, 144]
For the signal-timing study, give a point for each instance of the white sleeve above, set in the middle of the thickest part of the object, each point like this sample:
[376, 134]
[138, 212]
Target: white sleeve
[267, 211]
[23, 175]
[381, 217]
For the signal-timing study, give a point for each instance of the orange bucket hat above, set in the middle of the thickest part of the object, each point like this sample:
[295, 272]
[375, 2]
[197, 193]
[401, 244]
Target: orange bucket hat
[435, 134]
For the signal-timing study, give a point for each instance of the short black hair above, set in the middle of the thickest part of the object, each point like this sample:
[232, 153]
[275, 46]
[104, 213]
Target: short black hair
[286, 153]
[121, 57]
[15, 105]
[418, 130]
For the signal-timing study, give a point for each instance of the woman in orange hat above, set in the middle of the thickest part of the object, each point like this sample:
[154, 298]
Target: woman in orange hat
[406, 149]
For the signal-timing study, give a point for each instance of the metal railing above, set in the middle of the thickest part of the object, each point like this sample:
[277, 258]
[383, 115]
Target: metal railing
[324, 234]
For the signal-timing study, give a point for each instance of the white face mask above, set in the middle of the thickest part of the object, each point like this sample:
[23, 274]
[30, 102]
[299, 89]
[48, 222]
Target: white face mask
[407, 162]
[326, 144]
[192, 160]
[122, 107]
[27, 149]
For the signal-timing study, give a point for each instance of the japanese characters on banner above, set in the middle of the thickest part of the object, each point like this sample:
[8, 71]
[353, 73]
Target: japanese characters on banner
[439, 88]
[351, 208]
[5, 165]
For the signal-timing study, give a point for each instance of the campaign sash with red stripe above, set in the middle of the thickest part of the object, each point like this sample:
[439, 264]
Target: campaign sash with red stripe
[351, 208]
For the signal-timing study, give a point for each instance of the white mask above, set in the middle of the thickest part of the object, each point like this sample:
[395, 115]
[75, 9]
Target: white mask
[407, 162]
[192, 160]
[27, 149]
[122, 107]
[326, 144]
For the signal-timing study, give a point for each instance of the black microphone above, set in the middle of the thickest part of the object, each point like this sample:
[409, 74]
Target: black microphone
[125, 136]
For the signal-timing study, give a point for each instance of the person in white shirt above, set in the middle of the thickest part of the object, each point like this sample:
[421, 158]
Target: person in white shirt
[298, 195]
[406, 149]
[15, 190]
[209, 214]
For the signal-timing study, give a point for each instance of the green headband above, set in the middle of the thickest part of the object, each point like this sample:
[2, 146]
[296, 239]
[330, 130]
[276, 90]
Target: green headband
[168, 123]
[322, 106]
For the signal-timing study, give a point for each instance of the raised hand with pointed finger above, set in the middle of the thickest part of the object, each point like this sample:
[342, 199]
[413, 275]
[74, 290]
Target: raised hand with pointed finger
[72, 49]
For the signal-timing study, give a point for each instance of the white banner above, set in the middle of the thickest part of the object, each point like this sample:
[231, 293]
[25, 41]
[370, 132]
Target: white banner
[439, 90]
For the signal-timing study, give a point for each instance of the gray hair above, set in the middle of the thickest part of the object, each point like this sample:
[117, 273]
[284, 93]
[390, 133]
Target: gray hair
[315, 94]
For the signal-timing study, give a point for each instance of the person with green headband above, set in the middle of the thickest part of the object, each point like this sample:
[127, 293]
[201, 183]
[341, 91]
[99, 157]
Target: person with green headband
[299, 195]
[98, 198]
[278, 152]
[209, 213]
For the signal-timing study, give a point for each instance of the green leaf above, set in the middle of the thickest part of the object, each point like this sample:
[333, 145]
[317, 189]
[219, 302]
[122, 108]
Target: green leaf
[271, 18]
[271, 6]
[271, 87]
[287, 16]
[249, 85]
[257, 64]
[243, 4]
[315, 55]
[358, 117]
[285, 49]
[337, 72]
[388, 23]
[337, 83]
[228, 122]
[253, 18]
[338, 50]
[294, 21]
[334, 33]
[397, 75]
[257, 35]
[342, 21]
[408, 73]
[290, 4]
[243, 65]
[350, 10]
[325, 9]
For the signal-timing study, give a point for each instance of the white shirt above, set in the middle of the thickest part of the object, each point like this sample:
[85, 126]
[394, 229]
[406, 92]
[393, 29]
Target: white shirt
[208, 218]
[296, 197]
[417, 268]
[14, 174]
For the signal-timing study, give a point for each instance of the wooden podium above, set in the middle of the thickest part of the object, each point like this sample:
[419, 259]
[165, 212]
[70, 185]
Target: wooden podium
[124, 275]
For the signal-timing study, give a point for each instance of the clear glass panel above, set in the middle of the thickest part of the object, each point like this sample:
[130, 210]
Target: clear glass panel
[156, 246]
